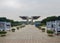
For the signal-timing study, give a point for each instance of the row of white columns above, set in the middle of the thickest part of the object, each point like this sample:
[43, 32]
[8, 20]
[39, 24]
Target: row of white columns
[28, 20]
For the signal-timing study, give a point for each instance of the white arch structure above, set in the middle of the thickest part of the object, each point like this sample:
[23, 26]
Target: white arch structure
[27, 18]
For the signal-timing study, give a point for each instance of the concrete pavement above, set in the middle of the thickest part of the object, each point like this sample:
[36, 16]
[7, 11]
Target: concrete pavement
[29, 34]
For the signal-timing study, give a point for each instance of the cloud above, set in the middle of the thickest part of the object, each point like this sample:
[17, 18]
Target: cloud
[44, 8]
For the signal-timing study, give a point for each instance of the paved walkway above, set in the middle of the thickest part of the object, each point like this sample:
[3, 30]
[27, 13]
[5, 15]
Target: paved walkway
[29, 34]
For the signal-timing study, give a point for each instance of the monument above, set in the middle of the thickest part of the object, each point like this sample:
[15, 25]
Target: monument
[27, 18]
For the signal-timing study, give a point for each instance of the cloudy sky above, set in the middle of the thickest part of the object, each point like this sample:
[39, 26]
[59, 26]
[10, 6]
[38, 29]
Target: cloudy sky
[12, 9]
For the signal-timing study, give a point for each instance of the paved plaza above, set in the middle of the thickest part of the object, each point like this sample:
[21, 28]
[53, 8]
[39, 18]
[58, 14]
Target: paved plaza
[29, 34]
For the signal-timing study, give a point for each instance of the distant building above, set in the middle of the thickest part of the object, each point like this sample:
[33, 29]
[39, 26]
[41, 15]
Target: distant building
[37, 23]
[54, 25]
[5, 26]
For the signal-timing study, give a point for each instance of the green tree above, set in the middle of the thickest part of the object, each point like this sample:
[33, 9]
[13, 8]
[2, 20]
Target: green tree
[52, 18]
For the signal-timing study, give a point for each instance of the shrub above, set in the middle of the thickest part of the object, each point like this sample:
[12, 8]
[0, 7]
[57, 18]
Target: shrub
[13, 30]
[50, 32]
[3, 33]
[22, 26]
[43, 29]
[17, 28]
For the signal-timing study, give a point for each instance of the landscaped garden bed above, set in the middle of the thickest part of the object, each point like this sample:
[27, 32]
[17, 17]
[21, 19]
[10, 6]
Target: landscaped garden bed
[22, 26]
[13, 30]
[50, 32]
[43, 29]
[17, 28]
[3, 33]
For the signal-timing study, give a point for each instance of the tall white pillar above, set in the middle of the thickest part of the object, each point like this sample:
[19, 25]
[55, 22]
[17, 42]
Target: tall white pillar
[32, 20]
[27, 20]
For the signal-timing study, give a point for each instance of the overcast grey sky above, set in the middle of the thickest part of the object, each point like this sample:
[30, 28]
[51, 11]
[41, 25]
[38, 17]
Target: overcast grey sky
[12, 9]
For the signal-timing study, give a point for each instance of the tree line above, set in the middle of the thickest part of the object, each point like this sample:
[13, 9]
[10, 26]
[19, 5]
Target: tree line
[13, 23]
[16, 23]
[51, 18]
